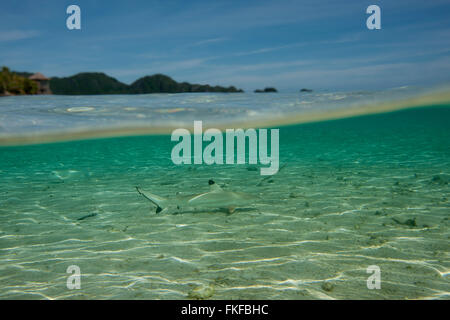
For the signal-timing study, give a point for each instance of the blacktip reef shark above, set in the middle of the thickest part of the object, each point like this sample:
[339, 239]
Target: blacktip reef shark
[216, 197]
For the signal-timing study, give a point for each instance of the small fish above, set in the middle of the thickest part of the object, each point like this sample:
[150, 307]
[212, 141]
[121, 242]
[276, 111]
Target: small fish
[87, 216]
[216, 197]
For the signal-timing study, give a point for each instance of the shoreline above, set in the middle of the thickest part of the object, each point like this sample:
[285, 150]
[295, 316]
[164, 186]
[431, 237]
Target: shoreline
[434, 98]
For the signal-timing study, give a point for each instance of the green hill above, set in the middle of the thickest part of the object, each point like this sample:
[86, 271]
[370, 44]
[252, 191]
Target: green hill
[155, 84]
[100, 83]
[87, 83]
[159, 83]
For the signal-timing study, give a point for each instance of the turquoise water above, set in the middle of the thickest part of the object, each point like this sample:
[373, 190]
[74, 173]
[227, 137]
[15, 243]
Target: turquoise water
[355, 192]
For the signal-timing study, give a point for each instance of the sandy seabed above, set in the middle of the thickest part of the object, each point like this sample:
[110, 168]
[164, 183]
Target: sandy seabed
[371, 190]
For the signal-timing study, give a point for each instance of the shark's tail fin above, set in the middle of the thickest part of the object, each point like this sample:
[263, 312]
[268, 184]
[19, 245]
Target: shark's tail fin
[158, 201]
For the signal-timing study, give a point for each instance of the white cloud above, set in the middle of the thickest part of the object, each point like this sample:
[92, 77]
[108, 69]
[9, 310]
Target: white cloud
[13, 35]
[208, 41]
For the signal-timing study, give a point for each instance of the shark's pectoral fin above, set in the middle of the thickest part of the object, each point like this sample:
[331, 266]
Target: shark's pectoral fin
[197, 197]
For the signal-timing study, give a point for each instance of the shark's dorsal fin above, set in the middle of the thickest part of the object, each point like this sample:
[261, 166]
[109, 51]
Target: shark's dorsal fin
[214, 186]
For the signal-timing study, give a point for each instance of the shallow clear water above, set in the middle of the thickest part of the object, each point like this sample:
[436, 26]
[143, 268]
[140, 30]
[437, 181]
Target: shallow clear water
[355, 192]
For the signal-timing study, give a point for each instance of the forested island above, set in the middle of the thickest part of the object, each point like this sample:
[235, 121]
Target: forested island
[90, 83]
[266, 90]
[100, 83]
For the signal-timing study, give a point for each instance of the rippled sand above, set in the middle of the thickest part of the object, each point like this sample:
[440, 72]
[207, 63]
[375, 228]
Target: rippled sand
[372, 190]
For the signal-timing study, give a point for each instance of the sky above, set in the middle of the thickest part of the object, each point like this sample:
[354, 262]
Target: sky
[318, 44]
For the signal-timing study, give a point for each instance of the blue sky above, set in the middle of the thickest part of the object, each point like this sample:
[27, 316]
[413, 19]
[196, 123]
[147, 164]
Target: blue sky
[321, 44]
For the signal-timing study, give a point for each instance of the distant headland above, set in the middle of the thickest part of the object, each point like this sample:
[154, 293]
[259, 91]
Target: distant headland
[266, 90]
[91, 83]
